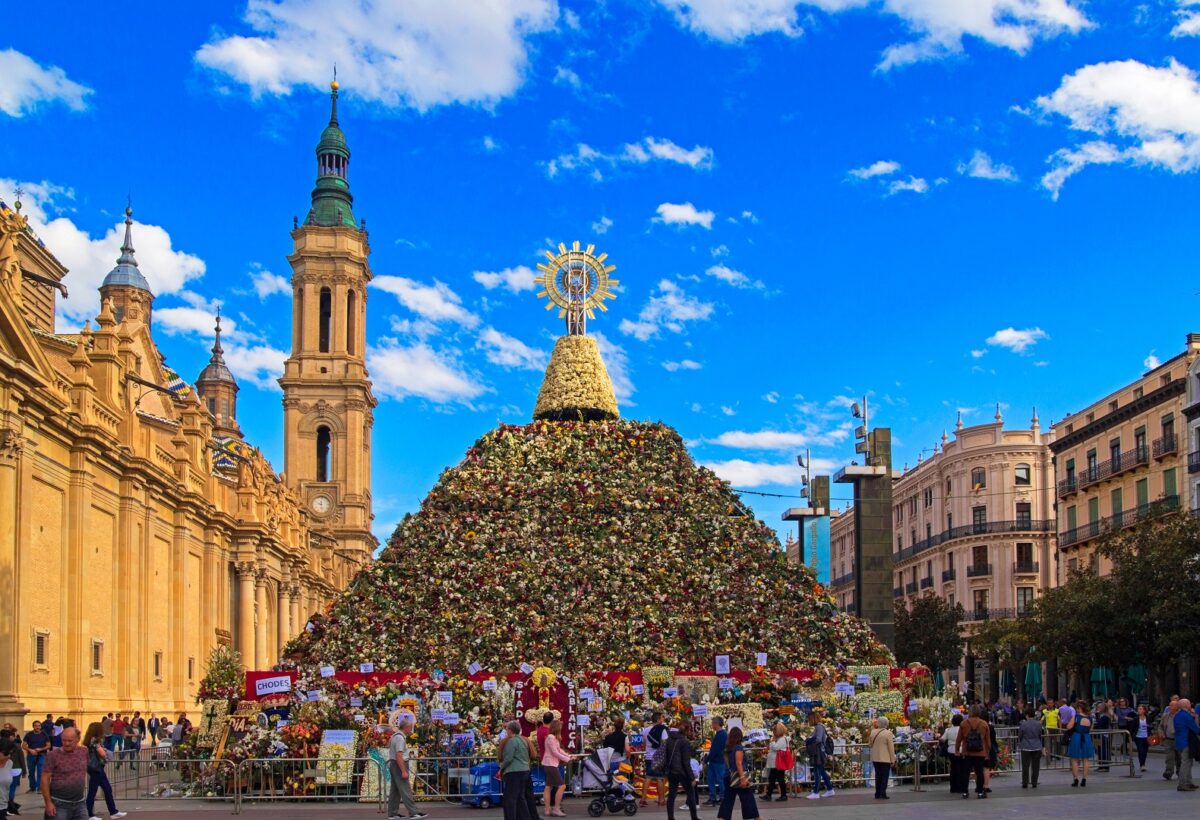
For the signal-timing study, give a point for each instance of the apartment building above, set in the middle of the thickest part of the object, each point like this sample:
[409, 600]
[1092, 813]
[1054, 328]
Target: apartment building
[974, 524]
[1191, 412]
[1125, 458]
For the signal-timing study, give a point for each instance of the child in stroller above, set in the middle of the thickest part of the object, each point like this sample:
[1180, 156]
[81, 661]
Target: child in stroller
[616, 793]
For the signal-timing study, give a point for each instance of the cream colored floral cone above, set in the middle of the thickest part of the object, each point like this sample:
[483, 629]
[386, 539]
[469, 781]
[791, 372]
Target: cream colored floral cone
[577, 385]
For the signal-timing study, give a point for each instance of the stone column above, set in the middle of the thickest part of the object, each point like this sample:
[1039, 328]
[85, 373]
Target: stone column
[11, 445]
[245, 625]
[294, 609]
[283, 619]
[260, 630]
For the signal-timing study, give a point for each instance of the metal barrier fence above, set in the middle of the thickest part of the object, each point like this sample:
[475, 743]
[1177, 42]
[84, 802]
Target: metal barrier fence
[298, 780]
[152, 774]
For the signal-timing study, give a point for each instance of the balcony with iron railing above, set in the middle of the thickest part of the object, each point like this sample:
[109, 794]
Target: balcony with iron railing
[1025, 567]
[926, 583]
[843, 580]
[1194, 462]
[1119, 521]
[897, 592]
[948, 575]
[1019, 525]
[910, 587]
[1166, 446]
[979, 570]
[993, 614]
[1129, 460]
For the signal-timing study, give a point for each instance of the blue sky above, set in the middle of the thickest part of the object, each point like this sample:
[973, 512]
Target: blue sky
[940, 204]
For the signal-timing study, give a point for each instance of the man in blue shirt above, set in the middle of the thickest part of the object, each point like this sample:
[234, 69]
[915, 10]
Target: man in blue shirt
[716, 762]
[1185, 727]
[1126, 721]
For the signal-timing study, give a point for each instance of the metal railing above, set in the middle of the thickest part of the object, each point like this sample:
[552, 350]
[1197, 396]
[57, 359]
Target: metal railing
[897, 592]
[979, 570]
[1017, 525]
[948, 575]
[1194, 462]
[1024, 567]
[158, 776]
[1116, 465]
[848, 578]
[1165, 446]
[926, 583]
[910, 587]
[297, 780]
[1121, 520]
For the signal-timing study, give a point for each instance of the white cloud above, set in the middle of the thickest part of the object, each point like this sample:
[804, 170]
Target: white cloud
[916, 185]
[879, 168]
[648, 150]
[260, 365]
[1018, 341]
[510, 352]
[601, 225]
[669, 307]
[1188, 14]
[89, 259]
[734, 277]
[418, 328]
[727, 410]
[742, 473]
[267, 283]
[567, 77]
[419, 371]
[982, 166]
[616, 362]
[192, 321]
[514, 280]
[939, 25]
[683, 214]
[696, 407]
[395, 52]
[685, 364]
[761, 440]
[978, 354]
[1139, 114]
[772, 397]
[734, 20]
[1151, 361]
[749, 216]
[436, 302]
[25, 85]
[490, 145]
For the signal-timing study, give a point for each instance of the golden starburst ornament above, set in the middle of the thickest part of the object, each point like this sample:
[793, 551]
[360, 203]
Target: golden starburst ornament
[576, 281]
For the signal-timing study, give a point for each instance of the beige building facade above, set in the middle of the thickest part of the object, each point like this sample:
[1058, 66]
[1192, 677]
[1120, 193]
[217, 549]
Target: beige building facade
[1125, 459]
[138, 529]
[974, 524]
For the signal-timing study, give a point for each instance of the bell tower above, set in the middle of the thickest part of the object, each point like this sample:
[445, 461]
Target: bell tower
[327, 401]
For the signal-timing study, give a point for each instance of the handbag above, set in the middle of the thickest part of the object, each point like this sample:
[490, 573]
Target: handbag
[1155, 740]
[784, 759]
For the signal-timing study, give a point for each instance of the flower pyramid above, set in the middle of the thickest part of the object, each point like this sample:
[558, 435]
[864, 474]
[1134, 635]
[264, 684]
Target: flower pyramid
[588, 544]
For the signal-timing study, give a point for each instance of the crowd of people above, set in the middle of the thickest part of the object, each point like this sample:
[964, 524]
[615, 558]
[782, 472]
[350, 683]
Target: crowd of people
[68, 768]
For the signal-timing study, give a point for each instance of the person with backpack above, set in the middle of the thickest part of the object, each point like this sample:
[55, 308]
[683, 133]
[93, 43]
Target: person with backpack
[779, 762]
[678, 768]
[972, 745]
[882, 745]
[656, 755]
[819, 747]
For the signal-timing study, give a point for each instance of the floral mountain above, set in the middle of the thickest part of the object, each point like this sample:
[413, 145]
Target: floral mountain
[582, 545]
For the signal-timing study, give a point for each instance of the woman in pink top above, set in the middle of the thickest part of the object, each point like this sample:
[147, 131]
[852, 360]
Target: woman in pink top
[552, 756]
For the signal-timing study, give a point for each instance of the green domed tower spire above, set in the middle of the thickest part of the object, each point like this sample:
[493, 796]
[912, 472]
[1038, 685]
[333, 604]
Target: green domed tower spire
[331, 199]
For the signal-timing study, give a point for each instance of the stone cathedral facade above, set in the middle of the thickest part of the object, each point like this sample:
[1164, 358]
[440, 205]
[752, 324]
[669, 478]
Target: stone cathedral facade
[138, 527]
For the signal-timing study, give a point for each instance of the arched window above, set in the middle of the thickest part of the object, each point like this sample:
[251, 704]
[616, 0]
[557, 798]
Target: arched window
[323, 453]
[324, 319]
[351, 320]
[298, 320]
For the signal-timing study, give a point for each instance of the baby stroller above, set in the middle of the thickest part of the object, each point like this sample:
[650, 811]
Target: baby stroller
[616, 795]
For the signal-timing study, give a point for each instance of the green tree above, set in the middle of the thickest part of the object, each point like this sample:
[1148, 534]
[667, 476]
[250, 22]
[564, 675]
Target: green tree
[1008, 642]
[1155, 576]
[929, 632]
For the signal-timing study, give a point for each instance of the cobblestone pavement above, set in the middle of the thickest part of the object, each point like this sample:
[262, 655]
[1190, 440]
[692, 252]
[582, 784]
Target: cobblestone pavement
[1108, 795]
